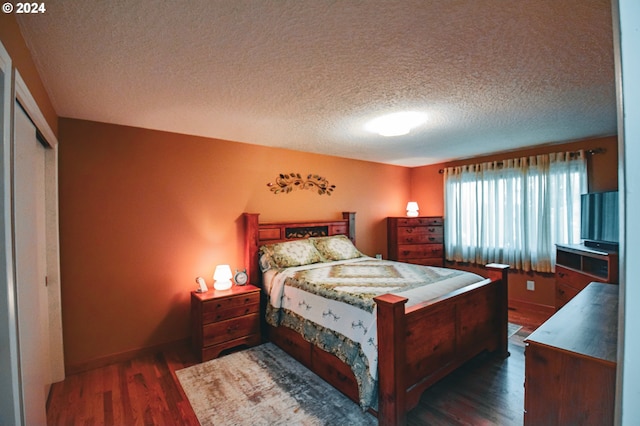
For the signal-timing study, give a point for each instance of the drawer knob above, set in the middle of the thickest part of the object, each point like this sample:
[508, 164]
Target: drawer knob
[409, 230]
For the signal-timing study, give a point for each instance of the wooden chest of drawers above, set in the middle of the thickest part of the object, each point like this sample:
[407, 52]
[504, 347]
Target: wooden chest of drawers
[225, 319]
[417, 240]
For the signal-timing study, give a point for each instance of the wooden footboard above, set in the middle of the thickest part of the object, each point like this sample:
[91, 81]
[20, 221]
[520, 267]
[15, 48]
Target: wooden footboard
[419, 345]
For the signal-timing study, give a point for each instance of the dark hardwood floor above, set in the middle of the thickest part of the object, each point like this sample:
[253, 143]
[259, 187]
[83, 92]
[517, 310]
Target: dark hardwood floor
[145, 391]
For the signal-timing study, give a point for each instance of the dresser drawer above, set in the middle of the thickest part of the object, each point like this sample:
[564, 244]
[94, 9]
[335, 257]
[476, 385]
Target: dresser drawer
[420, 235]
[425, 261]
[420, 221]
[571, 278]
[409, 251]
[564, 293]
[235, 328]
[230, 307]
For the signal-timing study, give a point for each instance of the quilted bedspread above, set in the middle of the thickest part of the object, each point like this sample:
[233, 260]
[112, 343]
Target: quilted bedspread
[331, 305]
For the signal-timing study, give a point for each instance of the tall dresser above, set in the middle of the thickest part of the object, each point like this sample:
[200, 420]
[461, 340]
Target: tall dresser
[418, 240]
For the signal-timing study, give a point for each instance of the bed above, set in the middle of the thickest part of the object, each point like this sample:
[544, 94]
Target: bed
[395, 340]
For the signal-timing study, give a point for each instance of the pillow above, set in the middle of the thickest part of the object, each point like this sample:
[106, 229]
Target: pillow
[289, 253]
[337, 247]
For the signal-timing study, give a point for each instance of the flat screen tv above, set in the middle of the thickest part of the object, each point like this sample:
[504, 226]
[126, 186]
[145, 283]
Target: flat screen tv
[599, 219]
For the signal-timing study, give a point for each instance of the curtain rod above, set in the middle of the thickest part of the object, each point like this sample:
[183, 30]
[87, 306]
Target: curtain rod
[593, 151]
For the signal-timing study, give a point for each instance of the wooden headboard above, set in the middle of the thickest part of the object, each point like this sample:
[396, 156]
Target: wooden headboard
[258, 234]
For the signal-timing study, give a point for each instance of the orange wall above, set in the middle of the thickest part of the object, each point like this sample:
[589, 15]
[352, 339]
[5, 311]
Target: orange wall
[21, 57]
[142, 213]
[427, 189]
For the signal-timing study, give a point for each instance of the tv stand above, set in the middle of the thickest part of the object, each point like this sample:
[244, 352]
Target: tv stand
[578, 264]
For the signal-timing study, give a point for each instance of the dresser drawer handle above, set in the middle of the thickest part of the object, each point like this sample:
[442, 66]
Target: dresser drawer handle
[232, 328]
[409, 239]
[409, 230]
[432, 229]
[246, 311]
[562, 274]
[247, 300]
[432, 238]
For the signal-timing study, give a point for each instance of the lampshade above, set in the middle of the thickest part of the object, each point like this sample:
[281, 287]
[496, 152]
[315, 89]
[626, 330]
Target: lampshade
[222, 277]
[412, 209]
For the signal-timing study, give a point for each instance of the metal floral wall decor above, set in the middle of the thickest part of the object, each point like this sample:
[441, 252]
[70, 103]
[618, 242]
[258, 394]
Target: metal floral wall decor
[286, 183]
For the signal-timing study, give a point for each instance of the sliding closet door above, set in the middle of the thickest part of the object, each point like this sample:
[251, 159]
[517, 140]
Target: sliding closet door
[10, 409]
[30, 251]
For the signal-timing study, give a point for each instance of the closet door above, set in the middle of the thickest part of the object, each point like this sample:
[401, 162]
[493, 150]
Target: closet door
[30, 251]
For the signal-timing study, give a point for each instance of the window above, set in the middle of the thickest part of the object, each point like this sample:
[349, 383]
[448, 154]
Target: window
[514, 212]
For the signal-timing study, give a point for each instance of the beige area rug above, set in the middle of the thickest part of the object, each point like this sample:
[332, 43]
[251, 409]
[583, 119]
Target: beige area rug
[265, 386]
[517, 334]
[512, 329]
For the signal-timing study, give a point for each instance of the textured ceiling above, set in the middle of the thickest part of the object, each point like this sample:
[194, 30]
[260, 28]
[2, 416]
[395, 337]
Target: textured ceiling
[492, 75]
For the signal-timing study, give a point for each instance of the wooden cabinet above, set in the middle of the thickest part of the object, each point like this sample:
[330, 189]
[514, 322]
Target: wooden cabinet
[578, 265]
[417, 240]
[570, 362]
[225, 319]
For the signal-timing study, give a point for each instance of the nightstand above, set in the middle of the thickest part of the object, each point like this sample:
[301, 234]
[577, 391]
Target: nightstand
[225, 319]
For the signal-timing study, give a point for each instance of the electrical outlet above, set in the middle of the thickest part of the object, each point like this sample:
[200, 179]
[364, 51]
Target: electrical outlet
[531, 285]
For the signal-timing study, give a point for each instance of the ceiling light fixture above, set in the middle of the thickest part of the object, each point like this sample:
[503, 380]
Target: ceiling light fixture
[396, 124]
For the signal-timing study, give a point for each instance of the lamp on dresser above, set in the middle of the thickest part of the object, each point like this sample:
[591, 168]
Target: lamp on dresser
[412, 209]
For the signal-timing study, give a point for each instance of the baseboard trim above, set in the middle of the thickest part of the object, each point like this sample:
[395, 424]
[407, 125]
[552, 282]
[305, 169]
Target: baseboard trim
[123, 356]
[531, 306]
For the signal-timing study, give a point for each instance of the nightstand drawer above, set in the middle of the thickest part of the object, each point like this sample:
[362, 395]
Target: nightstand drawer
[230, 329]
[230, 307]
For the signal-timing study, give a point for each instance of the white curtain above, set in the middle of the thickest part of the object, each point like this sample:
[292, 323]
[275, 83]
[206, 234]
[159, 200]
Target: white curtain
[514, 211]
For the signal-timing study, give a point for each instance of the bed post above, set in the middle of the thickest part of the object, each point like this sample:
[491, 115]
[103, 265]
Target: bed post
[251, 245]
[392, 389]
[497, 271]
[351, 218]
